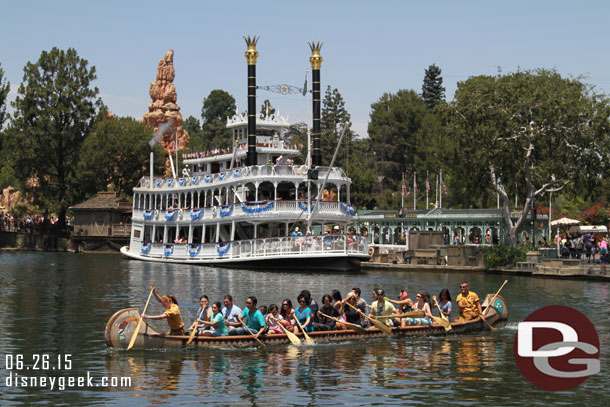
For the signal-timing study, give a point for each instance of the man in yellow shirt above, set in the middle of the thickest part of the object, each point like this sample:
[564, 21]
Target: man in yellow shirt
[468, 303]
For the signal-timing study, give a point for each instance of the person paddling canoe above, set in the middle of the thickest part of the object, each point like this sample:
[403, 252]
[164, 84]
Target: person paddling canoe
[468, 303]
[172, 314]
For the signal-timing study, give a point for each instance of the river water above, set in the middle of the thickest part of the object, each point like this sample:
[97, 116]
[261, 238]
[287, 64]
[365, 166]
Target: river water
[58, 304]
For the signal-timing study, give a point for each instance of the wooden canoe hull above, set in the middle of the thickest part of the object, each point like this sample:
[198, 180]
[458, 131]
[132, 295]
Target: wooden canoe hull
[122, 324]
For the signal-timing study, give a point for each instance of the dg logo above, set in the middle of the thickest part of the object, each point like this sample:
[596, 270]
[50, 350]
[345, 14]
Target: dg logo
[557, 348]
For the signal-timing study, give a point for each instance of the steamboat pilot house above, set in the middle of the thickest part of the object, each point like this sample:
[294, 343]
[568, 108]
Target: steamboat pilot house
[250, 207]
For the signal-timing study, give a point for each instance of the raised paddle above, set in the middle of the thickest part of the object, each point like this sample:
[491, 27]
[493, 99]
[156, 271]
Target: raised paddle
[308, 340]
[490, 304]
[354, 327]
[443, 319]
[380, 325]
[293, 338]
[135, 334]
[410, 314]
[251, 333]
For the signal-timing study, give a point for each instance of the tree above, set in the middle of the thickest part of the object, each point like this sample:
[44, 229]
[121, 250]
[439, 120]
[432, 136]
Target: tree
[520, 128]
[54, 111]
[216, 108]
[333, 117]
[433, 91]
[197, 141]
[116, 153]
[266, 109]
[5, 87]
[396, 122]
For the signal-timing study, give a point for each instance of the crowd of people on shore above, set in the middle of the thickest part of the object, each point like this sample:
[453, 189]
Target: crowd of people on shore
[588, 247]
[27, 223]
[333, 313]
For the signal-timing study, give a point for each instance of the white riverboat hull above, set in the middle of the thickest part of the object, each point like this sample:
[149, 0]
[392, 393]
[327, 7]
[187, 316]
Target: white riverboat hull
[300, 262]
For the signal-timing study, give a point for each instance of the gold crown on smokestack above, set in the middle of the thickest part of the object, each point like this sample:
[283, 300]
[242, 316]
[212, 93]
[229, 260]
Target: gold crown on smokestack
[251, 53]
[315, 58]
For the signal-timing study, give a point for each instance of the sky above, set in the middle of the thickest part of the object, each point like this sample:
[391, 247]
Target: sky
[370, 48]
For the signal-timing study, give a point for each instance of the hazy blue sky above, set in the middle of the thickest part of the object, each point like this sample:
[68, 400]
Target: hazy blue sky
[369, 47]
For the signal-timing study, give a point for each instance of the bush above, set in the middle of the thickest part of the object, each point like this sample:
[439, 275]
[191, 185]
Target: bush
[502, 255]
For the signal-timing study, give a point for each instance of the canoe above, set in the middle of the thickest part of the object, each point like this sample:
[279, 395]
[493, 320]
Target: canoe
[122, 324]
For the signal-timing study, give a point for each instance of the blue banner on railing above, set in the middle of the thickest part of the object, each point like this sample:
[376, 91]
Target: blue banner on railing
[347, 209]
[196, 213]
[170, 182]
[223, 248]
[146, 247]
[168, 250]
[257, 206]
[170, 214]
[207, 179]
[194, 249]
[226, 210]
[221, 175]
[181, 181]
[303, 206]
[148, 214]
[159, 182]
[195, 180]
[236, 173]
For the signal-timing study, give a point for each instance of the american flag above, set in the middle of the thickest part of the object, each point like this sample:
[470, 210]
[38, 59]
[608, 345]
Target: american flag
[405, 193]
[444, 186]
[427, 187]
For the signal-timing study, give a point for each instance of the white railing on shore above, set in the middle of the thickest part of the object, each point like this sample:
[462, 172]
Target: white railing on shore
[261, 209]
[255, 171]
[287, 246]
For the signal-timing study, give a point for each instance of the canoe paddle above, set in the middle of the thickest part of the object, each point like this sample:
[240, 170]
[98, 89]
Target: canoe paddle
[308, 340]
[195, 329]
[410, 314]
[293, 338]
[354, 327]
[491, 328]
[490, 304]
[135, 334]
[380, 325]
[251, 333]
[443, 319]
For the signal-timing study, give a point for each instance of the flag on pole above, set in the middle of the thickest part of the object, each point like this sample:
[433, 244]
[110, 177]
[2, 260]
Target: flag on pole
[427, 186]
[444, 186]
[404, 190]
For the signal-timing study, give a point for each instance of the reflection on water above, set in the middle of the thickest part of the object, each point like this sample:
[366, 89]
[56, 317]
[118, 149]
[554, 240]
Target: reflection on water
[59, 303]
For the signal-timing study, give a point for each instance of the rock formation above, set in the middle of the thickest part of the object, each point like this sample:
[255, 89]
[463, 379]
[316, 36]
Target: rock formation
[164, 108]
[9, 199]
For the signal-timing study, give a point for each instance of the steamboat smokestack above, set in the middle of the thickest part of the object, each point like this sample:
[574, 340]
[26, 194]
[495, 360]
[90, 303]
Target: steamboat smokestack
[251, 55]
[316, 63]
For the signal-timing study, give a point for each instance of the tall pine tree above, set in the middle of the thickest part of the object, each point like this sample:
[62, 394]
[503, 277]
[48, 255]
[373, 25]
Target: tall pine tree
[333, 117]
[433, 91]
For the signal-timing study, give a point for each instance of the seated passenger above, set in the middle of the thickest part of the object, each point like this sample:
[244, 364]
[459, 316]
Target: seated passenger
[273, 319]
[203, 314]
[423, 304]
[217, 323]
[324, 323]
[286, 312]
[253, 318]
[352, 315]
[303, 315]
[444, 301]
[382, 307]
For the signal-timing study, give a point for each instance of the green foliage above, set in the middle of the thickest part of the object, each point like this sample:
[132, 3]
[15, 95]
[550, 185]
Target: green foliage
[597, 215]
[394, 129]
[116, 154]
[433, 91]
[333, 117]
[5, 87]
[196, 138]
[503, 256]
[266, 109]
[54, 111]
[216, 108]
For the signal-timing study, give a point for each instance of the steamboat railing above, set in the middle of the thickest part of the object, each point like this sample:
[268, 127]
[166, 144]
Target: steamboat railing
[286, 246]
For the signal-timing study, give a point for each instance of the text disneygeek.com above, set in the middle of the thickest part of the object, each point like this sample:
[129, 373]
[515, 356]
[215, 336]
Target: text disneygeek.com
[20, 367]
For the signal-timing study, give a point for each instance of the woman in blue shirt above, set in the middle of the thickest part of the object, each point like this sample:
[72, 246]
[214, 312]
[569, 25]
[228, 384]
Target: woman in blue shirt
[303, 315]
[217, 322]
